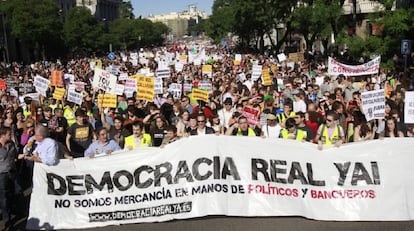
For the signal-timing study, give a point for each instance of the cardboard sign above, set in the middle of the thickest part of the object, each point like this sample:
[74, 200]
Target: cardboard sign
[107, 100]
[267, 81]
[175, 90]
[252, 115]
[130, 87]
[41, 84]
[145, 88]
[296, 57]
[373, 104]
[75, 97]
[158, 86]
[207, 70]
[256, 72]
[59, 93]
[104, 80]
[56, 79]
[199, 94]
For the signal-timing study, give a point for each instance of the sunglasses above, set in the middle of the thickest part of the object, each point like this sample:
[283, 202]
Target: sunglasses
[201, 121]
[329, 120]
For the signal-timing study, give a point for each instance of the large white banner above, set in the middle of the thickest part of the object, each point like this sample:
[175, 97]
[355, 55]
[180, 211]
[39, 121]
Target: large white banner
[226, 175]
[336, 68]
[373, 104]
[409, 107]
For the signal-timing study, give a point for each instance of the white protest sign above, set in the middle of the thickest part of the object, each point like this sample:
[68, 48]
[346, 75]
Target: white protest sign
[256, 72]
[227, 176]
[175, 90]
[373, 104]
[123, 76]
[74, 97]
[119, 89]
[41, 84]
[188, 87]
[130, 87]
[281, 57]
[163, 73]
[179, 67]
[69, 77]
[336, 68]
[206, 86]
[104, 80]
[158, 86]
[409, 107]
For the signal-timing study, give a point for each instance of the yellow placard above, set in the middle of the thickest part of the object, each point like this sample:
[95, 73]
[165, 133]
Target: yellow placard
[199, 94]
[145, 88]
[274, 68]
[267, 81]
[107, 100]
[59, 93]
[236, 62]
[207, 68]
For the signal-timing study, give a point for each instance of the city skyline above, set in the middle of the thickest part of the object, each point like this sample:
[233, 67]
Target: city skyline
[156, 7]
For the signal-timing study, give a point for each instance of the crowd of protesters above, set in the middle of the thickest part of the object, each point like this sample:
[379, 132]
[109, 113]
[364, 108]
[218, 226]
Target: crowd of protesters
[302, 103]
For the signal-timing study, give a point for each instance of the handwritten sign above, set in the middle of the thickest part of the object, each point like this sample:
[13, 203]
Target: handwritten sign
[145, 88]
[59, 93]
[107, 100]
[199, 94]
[104, 80]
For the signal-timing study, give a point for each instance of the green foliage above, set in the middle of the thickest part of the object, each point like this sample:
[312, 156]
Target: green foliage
[126, 10]
[82, 31]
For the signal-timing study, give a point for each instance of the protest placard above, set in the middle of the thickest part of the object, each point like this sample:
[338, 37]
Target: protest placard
[104, 80]
[252, 115]
[199, 94]
[256, 72]
[409, 107]
[41, 84]
[107, 100]
[56, 79]
[59, 93]
[74, 97]
[175, 90]
[207, 70]
[158, 86]
[145, 88]
[373, 104]
[267, 81]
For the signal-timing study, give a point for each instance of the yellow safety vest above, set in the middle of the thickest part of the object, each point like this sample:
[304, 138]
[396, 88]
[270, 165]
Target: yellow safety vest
[69, 115]
[250, 132]
[333, 138]
[282, 117]
[299, 134]
[145, 141]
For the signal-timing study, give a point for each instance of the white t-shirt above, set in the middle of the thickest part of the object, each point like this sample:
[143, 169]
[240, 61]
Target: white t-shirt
[271, 132]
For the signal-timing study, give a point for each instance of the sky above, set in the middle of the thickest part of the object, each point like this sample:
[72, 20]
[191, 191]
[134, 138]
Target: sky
[155, 7]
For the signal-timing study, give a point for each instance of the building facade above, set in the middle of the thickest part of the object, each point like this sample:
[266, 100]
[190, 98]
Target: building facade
[178, 21]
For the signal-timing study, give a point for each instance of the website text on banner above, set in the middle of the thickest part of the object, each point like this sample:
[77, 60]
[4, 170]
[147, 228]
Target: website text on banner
[336, 68]
[234, 176]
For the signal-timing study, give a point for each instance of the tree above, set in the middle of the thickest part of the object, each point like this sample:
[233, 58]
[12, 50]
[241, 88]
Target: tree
[82, 31]
[35, 23]
[126, 10]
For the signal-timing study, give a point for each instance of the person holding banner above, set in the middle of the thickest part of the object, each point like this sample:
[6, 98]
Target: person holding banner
[202, 129]
[138, 138]
[102, 145]
[330, 133]
[241, 128]
[391, 128]
[291, 132]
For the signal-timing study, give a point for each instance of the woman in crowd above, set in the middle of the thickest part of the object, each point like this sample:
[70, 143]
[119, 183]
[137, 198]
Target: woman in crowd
[391, 128]
[183, 123]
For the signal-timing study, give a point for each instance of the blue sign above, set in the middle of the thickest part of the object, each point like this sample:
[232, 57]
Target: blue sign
[111, 56]
[405, 47]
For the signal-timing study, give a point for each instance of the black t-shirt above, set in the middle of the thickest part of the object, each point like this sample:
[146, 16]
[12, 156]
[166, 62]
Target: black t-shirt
[81, 138]
[157, 135]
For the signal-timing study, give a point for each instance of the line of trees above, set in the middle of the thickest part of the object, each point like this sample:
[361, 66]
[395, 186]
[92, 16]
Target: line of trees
[42, 28]
[253, 21]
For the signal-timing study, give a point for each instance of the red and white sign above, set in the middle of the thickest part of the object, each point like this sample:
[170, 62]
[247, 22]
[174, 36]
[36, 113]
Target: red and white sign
[336, 68]
[252, 115]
